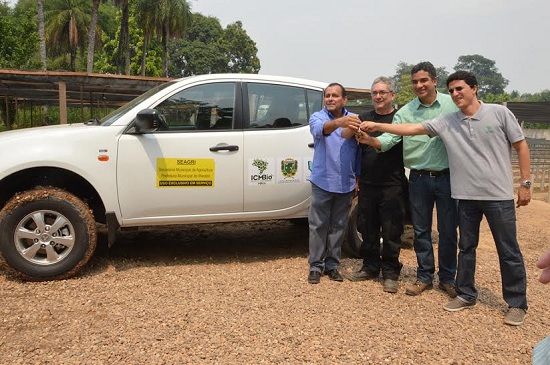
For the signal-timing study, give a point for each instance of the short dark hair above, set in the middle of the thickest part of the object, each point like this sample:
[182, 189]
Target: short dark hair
[344, 94]
[425, 66]
[466, 76]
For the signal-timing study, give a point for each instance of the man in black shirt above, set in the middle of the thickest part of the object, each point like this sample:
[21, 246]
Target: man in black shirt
[381, 197]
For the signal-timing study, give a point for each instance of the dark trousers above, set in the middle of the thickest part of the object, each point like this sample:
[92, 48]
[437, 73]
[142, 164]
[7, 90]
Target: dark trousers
[328, 221]
[501, 217]
[382, 210]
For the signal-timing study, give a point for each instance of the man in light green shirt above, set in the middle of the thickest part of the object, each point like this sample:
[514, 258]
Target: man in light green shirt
[421, 152]
[429, 182]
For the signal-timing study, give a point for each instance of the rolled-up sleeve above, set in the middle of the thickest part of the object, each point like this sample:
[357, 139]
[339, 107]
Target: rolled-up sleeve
[316, 125]
[388, 140]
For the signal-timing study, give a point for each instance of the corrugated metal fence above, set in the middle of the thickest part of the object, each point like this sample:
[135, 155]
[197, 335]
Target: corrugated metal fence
[540, 164]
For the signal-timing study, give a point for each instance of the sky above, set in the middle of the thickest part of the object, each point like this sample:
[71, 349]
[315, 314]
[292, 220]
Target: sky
[355, 41]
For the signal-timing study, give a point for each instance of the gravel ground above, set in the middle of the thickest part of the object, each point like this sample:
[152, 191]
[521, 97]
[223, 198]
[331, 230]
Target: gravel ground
[237, 294]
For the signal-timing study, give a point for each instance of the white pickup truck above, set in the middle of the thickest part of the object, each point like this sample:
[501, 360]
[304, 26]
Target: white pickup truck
[212, 148]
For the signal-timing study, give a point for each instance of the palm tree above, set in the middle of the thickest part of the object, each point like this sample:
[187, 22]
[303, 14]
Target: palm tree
[41, 33]
[91, 37]
[146, 14]
[67, 23]
[173, 19]
[123, 54]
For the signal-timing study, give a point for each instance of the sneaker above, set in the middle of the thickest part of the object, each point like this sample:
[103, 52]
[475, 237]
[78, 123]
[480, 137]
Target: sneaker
[458, 304]
[417, 288]
[334, 275]
[515, 316]
[390, 286]
[314, 277]
[362, 275]
[449, 289]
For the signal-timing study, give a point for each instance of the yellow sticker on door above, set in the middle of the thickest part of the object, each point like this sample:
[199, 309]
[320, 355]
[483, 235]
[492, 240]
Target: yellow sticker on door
[185, 173]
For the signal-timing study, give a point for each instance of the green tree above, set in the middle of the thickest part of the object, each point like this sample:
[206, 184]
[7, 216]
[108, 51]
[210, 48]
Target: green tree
[543, 96]
[496, 98]
[173, 20]
[515, 95]
[199, 52]
[108, 20]
[405, 90]
[489, 78]
[92, 36]
[67, 24]
[42, 34]
[19, 44]
[146, 14]
[105, 61]
[208, 48]
[241, 50]
[123, 50]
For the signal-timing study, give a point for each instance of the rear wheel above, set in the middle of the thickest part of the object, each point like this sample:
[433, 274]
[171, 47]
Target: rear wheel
[47, 234]
[354, 239]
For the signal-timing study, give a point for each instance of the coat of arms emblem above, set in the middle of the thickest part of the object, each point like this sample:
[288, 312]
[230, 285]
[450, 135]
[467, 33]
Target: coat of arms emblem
[289, 167]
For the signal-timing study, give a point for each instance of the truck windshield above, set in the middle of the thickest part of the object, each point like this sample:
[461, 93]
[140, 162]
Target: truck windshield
[113, 116]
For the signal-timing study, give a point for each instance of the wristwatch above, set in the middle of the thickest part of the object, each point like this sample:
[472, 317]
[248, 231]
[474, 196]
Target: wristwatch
[526, 183]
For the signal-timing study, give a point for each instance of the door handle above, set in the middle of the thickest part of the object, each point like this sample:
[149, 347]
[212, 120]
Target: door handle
[310, 145]
[230, 148]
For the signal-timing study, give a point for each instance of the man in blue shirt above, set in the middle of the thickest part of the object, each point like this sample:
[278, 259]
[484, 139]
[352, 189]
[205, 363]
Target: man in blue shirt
[336, 161]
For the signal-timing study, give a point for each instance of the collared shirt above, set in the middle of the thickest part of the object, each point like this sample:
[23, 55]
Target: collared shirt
[480, 151]
[421, 152]
[336, 160]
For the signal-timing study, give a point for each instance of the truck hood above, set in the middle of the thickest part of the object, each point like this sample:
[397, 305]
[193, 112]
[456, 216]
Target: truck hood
[55, 145]
[47, 131]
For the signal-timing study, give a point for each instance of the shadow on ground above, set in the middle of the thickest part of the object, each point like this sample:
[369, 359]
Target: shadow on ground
[198, 244]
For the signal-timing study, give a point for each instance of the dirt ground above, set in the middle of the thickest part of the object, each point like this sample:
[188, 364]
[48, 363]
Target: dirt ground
[237, 294]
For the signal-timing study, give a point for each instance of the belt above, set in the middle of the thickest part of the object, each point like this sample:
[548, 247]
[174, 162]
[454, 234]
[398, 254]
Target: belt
[431, 173]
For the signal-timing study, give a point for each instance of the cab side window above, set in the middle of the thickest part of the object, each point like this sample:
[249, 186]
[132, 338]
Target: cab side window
[202, 107]
[278, 106]
[315, 101]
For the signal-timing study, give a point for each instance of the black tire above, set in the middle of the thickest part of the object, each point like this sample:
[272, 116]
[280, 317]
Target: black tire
[353, 240]
[300, 222]
[47, 234]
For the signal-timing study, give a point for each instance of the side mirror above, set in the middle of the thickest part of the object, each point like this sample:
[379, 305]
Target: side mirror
[147, 121]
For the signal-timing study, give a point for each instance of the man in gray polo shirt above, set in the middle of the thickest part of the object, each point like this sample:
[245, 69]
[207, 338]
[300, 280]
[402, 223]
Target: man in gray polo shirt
[478, 139]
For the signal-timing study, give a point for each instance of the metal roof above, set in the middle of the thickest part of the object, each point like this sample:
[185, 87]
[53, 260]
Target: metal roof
[86, 89]
[44, 87]
[81, 89]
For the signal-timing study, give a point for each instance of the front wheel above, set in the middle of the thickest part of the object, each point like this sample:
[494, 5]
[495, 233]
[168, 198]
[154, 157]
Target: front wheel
[47, 234]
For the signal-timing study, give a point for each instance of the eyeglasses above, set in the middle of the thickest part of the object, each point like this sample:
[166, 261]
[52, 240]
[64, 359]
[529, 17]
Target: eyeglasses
[381, 93]
[457, 89]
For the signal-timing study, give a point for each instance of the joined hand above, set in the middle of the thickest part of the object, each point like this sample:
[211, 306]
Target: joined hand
[368, 126]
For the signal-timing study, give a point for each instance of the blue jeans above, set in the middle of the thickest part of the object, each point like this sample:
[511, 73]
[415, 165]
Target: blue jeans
[424, 191]
[501, 217]
[328, 221]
